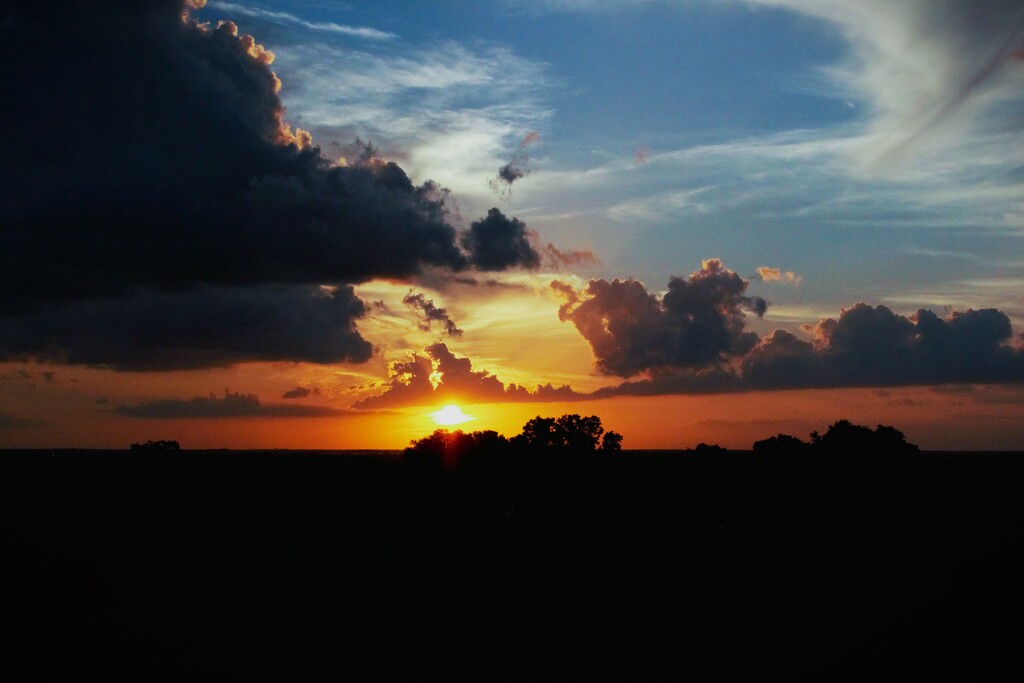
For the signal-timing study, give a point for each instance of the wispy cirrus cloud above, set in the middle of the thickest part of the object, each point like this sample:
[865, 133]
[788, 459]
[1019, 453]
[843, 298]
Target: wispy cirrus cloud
[287, 18]
[447, 112]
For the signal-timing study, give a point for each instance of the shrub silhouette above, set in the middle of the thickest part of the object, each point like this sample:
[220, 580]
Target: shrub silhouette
[156, 446]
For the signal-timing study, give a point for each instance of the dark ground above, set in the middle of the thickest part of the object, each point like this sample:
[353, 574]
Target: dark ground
[648, 565]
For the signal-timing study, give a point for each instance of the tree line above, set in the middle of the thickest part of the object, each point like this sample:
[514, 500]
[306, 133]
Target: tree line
[571, 437]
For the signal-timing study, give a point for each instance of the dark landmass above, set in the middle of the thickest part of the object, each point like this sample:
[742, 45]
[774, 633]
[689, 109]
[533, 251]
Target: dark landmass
[647, 564]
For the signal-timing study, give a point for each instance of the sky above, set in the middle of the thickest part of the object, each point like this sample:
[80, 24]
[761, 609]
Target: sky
[313, 224]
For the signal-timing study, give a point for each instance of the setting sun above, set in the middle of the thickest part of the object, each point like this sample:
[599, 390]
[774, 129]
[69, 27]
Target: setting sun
[450, 415]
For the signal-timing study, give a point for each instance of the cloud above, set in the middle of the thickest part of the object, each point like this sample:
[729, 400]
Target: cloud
[489, 283]
[301, 392]
[698, 323]
[164, 215]
[18, 374]
[8, 421]
[518, 167]
[873, 346]
[202, 327]
[924, 63]
[431, 313]
[867, 346]
[924, 67]
[768, 274]
[445, 111]
[441, 376]
[286, 18]
[569, 257]
[231, 405]
[531, 138]
[499, 243]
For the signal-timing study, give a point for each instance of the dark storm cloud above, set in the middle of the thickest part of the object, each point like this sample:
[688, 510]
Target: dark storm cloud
[698, 323]
[203, 327]
[499, 243]
[145, 153]
[868, 346]
[431, 313]
[412, 383]
[873, 346]
[709, 381]
[154, 152]
[230, 405]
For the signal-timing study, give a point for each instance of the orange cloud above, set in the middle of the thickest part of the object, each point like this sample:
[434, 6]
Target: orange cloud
[769, 274]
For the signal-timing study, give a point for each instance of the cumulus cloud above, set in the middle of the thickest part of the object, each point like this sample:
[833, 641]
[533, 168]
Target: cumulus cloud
[873, 346]
[439, 376]
[867, 346]
[230, 405]
[431, 313]
[499, 243]
[636, 332]
[153, 167]
[698, 323]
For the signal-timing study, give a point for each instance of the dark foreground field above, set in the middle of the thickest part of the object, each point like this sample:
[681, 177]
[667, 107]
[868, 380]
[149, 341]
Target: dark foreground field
[662, 565]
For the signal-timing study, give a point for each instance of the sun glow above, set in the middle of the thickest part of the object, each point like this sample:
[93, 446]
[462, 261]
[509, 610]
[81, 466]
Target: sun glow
[450, 415]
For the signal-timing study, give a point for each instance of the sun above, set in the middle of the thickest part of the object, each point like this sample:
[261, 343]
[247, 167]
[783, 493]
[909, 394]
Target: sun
[450, 415]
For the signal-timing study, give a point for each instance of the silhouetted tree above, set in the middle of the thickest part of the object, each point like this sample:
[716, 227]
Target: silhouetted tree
[489, 451]
[782, 444]
[568, 433]
[709, 449]
[456, 449]
[846, 438]
[611, 441]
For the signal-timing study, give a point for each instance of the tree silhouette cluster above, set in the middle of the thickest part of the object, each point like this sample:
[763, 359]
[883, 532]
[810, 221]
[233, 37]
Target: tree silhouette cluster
[568, 436]
[841, 438]
[157, 446]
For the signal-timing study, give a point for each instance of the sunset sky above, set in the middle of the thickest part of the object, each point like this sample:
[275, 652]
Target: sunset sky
[314, 223]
